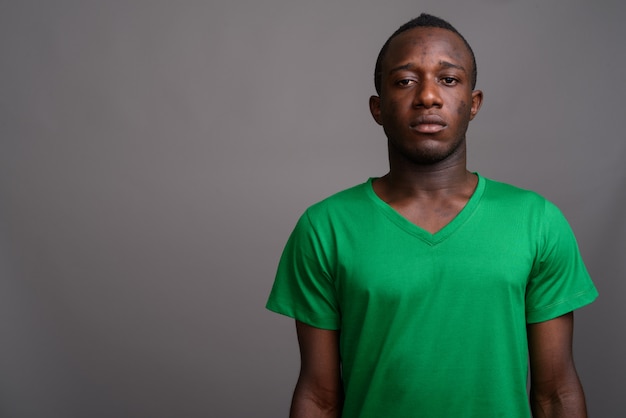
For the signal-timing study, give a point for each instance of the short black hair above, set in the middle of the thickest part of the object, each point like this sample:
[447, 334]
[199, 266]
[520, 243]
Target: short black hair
[422, 21]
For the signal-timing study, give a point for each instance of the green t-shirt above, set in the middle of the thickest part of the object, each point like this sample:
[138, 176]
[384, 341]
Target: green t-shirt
[432, 325]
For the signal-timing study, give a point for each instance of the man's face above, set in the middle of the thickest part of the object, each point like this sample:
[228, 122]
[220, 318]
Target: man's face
[426, 99]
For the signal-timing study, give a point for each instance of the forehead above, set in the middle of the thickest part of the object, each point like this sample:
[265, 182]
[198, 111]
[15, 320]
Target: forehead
[425, 43]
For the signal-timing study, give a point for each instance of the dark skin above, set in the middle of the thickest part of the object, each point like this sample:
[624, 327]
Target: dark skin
[319, 390]
[425, 107]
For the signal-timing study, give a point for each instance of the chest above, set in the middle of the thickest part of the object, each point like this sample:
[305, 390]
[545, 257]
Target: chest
[401, 268]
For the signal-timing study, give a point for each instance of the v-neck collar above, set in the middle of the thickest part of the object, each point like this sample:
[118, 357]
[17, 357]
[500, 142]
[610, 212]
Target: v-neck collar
[419, 232]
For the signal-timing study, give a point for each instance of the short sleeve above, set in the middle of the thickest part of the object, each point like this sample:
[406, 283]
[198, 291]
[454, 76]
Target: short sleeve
[559, 282]
[303, 288]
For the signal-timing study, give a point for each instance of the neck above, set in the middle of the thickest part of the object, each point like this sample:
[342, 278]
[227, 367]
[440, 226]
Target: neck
[408, 178]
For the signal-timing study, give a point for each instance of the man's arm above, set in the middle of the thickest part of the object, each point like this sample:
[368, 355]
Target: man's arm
[555, 388]
[319, 390]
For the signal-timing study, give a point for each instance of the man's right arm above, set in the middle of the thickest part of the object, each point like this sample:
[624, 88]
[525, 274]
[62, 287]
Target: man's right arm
[319, 391]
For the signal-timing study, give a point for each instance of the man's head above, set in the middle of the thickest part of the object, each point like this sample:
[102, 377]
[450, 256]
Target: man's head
[425, 79]
[422, 21]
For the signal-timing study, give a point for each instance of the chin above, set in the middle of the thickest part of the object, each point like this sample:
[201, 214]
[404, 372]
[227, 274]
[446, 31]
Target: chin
[431, 155]
[428, 151]
[426, 159]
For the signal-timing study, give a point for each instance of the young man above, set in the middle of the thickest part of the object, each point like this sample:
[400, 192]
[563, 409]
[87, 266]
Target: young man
[425, 292]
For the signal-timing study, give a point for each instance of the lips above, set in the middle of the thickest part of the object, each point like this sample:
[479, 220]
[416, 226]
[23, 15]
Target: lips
[428, 124]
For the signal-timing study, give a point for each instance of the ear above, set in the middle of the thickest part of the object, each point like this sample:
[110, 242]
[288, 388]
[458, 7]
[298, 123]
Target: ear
[375, 109]
[477, 101]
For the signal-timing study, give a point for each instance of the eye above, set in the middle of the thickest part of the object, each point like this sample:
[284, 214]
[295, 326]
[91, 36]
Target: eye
[405, 82]
[448, 81]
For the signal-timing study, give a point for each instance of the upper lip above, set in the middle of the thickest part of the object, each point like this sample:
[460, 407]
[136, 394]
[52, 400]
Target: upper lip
[428, 120]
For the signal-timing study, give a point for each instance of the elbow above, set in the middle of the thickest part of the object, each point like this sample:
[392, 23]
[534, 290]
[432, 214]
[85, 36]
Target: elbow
[558, 401]
[316, 401]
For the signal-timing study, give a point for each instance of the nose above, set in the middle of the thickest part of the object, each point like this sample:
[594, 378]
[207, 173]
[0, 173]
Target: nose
[427, 94]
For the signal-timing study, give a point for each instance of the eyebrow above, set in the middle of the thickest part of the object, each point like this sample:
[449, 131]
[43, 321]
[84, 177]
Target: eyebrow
[447, 64]
[401, 68]
[444, 64]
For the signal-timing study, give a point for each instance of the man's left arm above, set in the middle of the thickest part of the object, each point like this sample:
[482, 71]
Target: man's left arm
[555, 389]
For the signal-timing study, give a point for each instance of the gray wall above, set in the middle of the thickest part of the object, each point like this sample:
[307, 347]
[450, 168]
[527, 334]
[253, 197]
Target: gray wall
[154, 157]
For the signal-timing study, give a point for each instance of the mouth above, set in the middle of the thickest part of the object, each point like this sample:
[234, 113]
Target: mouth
[428, 124]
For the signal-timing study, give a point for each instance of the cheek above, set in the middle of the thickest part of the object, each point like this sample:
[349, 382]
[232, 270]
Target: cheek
[462, 108]
[390, 109]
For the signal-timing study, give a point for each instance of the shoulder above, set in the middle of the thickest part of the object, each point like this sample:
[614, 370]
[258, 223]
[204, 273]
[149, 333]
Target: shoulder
[524, 206]
[342, 211]
[345, 201]
[509, 191]
[507, 195]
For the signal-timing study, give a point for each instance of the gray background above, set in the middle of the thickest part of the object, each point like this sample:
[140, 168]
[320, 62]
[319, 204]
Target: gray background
[154, 157]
